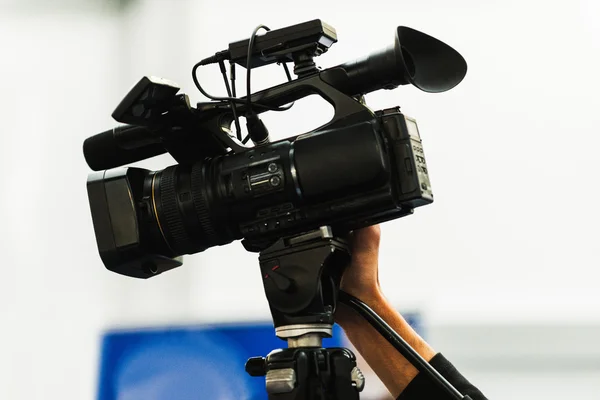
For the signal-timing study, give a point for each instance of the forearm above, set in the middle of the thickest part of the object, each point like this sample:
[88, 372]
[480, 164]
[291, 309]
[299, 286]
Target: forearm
[389, 365]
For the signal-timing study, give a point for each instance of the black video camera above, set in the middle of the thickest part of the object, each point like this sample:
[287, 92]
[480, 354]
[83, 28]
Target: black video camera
[361, 168]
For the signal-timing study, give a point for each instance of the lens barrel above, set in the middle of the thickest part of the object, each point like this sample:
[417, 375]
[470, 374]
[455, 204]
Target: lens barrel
[182, 203]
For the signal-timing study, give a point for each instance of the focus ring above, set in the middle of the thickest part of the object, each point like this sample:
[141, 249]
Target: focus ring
[175, 228]
[199, 184]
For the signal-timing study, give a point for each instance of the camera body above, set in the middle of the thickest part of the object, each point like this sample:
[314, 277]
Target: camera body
[346, 177]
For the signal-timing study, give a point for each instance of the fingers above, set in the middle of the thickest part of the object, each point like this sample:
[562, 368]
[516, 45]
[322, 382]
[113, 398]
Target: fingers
[366, 239]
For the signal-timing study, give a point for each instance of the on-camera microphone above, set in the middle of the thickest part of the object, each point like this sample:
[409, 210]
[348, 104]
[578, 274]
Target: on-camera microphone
[313, 37]
[122, 145]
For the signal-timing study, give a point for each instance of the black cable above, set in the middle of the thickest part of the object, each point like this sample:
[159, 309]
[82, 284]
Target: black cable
[249, 111]
[211, 97]
[231, 97]
[400, 344]
[249, 66]
[232, 77]
[256, 128]
[289, 76]
[287, 71]
[227, 99]
[224, 73]
[233, 108]
[231, 91]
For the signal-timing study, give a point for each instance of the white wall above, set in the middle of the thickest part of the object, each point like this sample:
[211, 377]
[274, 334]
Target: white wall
[54, 86]
[510, 240]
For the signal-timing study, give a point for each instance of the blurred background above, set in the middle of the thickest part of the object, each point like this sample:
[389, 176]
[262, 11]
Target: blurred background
[502, 270]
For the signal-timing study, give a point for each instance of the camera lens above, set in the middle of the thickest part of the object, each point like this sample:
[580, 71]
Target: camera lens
[184, 201]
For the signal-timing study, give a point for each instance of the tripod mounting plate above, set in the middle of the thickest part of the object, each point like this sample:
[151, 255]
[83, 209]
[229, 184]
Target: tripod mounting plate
[294, 331]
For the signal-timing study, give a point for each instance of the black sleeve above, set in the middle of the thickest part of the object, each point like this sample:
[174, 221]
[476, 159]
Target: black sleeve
[422, 388]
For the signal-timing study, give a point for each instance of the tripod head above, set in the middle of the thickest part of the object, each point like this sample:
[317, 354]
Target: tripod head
[301, 278]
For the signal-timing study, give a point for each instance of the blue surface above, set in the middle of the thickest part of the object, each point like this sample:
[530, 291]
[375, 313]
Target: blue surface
[184, 363]
[192, 362]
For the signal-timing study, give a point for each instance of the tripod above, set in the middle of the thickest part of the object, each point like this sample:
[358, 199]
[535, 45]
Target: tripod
[301, 278]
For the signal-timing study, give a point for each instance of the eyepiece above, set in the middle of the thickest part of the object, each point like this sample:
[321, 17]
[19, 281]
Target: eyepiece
[414, 58]
[427, 62]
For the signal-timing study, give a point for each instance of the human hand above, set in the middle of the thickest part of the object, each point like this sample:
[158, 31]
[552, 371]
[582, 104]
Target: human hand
[361, 277]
